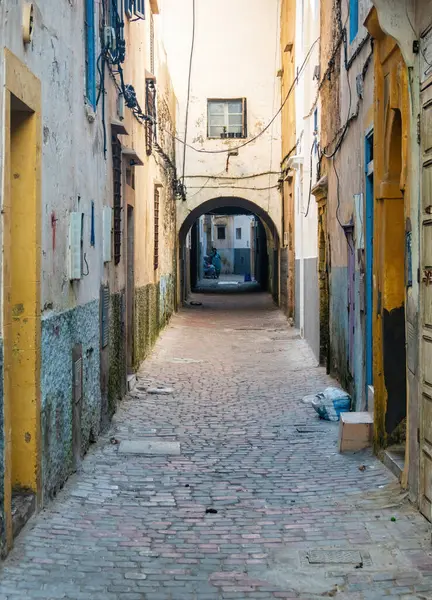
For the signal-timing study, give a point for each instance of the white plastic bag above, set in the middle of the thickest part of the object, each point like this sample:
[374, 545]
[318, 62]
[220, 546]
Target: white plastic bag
[331, 403]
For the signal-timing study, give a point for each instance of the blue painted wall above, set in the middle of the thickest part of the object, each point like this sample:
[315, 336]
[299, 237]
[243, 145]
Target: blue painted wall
[60, 333]
[353, 381]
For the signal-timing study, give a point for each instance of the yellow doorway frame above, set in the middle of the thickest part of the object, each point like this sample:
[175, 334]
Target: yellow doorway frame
[21, 283]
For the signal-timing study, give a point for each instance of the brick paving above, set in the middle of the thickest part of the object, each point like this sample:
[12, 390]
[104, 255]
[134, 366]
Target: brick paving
[136, 527]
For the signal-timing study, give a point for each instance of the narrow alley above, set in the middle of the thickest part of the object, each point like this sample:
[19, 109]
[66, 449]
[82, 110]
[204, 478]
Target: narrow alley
[257, 503]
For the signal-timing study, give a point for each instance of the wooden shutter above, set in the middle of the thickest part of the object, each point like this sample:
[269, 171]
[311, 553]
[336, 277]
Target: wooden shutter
[107, 233]
[244, 111]
[117, 198]
[90, 52]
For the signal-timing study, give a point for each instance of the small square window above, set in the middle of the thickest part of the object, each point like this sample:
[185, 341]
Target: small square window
[221, 232]
[238, 233]
[227, 118]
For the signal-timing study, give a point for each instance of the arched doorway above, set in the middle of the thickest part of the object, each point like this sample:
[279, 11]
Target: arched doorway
[266, 249]
[393, 285]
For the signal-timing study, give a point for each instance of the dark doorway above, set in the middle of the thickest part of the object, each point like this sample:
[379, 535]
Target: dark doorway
[245, 240]
[194, 256]
[130, 287]
[393, 293]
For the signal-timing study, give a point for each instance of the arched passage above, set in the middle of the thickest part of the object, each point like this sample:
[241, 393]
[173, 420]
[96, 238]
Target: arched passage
[228, 205]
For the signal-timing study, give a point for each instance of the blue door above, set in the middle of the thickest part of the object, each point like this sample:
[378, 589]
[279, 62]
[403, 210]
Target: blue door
[369, 258]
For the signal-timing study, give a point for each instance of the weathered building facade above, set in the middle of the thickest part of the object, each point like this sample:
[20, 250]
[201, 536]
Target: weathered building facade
[300, 32]
[342, 193]
[403, 50]
[232, 157]
[81, 172]
[371, 227]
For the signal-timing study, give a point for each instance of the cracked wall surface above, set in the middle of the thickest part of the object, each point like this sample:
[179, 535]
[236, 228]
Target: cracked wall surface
[60, 333]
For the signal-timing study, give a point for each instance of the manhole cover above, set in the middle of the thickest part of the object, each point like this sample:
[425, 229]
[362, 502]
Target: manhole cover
[323, 557]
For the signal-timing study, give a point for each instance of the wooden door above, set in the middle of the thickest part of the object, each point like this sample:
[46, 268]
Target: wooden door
[426, 303]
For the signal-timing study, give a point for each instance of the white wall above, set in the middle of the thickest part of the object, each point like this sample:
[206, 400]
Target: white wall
[236, 55]
[244, 223]
[306, 225]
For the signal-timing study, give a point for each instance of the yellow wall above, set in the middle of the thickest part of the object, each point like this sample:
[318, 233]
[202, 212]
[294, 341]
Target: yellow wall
[391, 191]
[21, 280]
[288, 116]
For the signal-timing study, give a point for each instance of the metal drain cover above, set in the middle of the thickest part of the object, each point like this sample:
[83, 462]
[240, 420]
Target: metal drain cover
[326, 557]
[150, 447]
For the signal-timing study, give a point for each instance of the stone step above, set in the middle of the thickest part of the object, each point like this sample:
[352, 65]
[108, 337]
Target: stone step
[394, 459]
[355, 431]
[131, 382]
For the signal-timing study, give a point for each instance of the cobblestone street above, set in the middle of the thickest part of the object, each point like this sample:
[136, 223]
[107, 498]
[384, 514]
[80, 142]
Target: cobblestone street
[138, 527]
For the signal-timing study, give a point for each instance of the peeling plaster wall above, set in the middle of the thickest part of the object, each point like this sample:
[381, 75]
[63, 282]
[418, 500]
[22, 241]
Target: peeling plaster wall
[117, 352]
[74, 173]
[234, 67]
[154, 295]
[342, 92]
[59, 334]
[73, 164]
[155, 171]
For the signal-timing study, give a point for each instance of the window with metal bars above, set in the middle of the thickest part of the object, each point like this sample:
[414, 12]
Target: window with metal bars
[151, 112]
[117, 203]
[156, 228]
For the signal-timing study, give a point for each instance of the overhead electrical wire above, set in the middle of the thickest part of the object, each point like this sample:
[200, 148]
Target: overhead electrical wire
[234, 177]
[257, 189]
[114, 56]
[189, 88]
[205, 184]
[423, 53]
[269, 124]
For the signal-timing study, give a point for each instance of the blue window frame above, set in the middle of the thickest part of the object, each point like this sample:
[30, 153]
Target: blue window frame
[353, 19]
[140, 8]
[90, 53]
[135, 8]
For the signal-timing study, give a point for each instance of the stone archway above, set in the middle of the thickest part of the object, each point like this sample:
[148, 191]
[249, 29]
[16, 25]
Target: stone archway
[186, 221]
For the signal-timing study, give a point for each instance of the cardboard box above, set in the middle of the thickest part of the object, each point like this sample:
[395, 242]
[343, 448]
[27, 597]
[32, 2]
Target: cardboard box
[355, 431]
